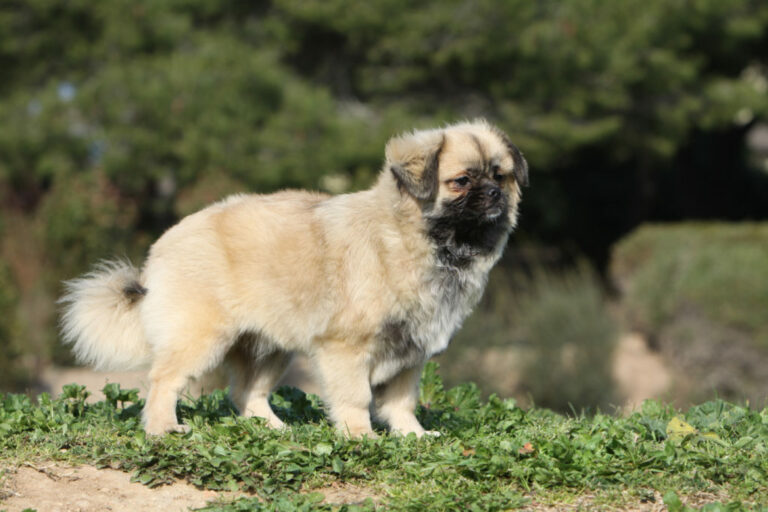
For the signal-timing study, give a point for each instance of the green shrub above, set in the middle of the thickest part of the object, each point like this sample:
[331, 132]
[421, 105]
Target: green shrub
[719, 269]
[564, 321]
[552, 330]
[700, 292]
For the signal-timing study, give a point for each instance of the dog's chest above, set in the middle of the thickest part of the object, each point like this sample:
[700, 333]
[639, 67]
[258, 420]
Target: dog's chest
[425, 328]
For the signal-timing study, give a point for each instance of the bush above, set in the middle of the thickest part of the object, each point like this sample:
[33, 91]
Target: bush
[698, 291]
[551, 329]
[564, 322]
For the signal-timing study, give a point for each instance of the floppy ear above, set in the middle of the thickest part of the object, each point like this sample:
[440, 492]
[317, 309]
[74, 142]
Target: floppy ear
[414, 159]
[520, 166]
[520, 169]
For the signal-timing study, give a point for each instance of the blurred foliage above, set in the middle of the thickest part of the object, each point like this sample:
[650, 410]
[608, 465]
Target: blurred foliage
[699, 291]
[565, 323]
[11, 372]
[117, 118]
[719, 269]
[547, 336]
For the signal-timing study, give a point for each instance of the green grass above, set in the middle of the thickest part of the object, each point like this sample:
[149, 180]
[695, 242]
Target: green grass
[492, 455]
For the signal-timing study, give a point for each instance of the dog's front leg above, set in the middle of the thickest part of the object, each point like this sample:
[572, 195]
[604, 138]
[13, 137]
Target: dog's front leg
[344, 373]
[396, 401]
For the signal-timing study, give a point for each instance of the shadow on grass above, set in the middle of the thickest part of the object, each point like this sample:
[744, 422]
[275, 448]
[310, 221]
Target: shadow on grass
[291, 405]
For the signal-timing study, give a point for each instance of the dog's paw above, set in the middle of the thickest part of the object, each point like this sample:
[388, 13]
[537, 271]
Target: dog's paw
[181, 429]
[276, 423]
[359, 433]
[420, 432]
[159, 430]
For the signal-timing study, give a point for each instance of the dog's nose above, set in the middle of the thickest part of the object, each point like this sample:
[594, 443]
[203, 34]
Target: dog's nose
[493, 193]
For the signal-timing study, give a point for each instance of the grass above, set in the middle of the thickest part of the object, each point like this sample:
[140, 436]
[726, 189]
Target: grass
[492, 455]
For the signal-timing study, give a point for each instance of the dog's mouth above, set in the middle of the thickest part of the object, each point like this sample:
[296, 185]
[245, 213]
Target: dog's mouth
[461, 234]
[493, 213]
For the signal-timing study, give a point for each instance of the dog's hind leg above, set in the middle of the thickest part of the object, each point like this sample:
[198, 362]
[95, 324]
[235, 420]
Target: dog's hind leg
[255, 372]
[186, 353]
[159, 414]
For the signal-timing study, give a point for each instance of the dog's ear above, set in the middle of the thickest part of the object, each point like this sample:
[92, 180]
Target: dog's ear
[520, 166]
[414, 159]
[520, 169]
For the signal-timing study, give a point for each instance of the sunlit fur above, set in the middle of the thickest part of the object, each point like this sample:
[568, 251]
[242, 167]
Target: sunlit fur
[369, 285]
[100, 320]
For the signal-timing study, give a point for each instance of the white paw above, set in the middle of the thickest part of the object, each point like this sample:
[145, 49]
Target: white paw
[158, 430]
[276, 423]
[359, 433]
[262, 410]
[419, 433]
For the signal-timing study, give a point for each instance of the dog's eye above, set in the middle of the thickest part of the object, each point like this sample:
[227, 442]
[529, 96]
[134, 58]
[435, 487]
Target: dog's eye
[496, 172]
[462, 181]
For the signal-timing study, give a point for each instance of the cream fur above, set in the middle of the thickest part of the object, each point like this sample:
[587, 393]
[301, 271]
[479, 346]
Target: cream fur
[101, 323]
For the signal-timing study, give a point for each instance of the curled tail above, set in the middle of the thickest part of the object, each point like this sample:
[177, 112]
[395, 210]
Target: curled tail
[100, 318]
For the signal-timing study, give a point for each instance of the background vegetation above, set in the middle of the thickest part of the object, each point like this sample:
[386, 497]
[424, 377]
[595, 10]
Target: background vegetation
[700, 292]
[117, 118]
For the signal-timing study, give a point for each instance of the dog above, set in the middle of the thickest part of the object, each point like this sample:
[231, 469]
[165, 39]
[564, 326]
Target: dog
[369, 285]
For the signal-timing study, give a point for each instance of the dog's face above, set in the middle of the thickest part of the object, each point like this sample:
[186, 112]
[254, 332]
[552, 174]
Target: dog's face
[467, 178]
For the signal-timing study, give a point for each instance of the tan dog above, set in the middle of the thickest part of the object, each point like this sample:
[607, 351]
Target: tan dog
[369, 285]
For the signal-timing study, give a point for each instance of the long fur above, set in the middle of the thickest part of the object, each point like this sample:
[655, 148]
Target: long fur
[100, 318]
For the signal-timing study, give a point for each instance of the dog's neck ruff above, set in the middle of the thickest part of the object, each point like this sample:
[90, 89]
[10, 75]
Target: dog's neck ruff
[446, 297]
[459, 243]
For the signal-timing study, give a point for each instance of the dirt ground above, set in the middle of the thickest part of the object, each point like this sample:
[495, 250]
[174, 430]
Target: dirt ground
[55, 487]
[638, 372]
[59, 488]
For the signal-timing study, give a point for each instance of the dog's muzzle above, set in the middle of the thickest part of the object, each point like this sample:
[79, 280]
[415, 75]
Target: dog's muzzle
[493, 201]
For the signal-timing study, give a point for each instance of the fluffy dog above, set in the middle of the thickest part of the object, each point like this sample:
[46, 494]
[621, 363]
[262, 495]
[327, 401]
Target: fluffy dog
[369, 285]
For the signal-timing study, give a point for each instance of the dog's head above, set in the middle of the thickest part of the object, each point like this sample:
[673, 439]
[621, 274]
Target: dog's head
[470, 169]
[467, 178]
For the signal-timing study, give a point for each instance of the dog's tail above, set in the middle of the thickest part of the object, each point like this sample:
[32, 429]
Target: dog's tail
[100, 318]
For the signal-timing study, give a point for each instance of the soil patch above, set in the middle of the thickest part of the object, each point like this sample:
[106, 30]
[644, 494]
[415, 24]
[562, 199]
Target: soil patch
[58, 487]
